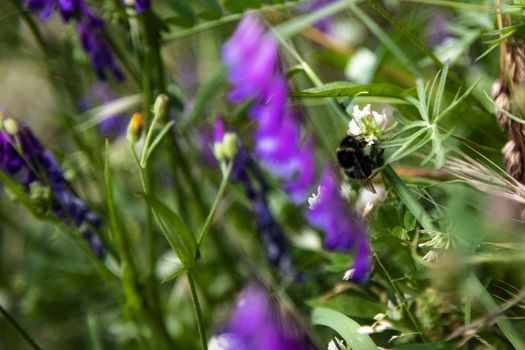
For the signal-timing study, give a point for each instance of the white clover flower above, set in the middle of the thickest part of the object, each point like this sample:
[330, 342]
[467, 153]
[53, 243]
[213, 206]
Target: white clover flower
[367, 200]
[336, 344]
[367, 123]
[361, 66]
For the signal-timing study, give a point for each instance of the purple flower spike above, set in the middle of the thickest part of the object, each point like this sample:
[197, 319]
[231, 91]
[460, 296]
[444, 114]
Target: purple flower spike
[89, 28]
[259, 323]
[97, 47]
[142, 6]
[44, 8]
[23, 158]
[251, 56]
[330, 212]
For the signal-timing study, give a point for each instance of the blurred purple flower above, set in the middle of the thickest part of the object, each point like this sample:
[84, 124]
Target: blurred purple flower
[258, 322]
[142, 6]
[437, 28]
[324, 24]
[95, 43]
[44, 8]
[90, 29]
[24, 158]
[277, 247]
[112, 126]
[246, 172]
[252, 60]
[344, 230]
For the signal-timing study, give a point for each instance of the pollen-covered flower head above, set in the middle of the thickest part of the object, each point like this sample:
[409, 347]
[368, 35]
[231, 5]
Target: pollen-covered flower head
[367, 123]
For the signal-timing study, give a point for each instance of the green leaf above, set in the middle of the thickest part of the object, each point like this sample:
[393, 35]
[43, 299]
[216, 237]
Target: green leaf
[344, 88]
[419, 346]
[177, 233]
[298, 23]
[350, 305]
[406, 196]
[212, 9]
[159, 138]
[204, 95]
[186, 14]
[384, 38]
[17, 193]
[114, 222]
[181, 269]
[405, 31]
[345, 326]
[241, 5]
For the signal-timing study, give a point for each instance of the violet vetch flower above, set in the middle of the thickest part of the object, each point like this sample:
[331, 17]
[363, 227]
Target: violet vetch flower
[90, 29]
[112, 126]
[24, 158]
[95, 43]
[44, 8]
[344, 230]
[251, 58]
[258, 322]
[141, 6]
[246, 172]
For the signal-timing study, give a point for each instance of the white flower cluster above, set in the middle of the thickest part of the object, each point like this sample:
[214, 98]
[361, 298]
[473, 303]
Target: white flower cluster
[367, 123]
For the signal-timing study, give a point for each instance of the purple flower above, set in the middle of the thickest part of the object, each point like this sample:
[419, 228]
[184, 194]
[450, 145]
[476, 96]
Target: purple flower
[277, 247]
[112, 126]
[251, 57]
[24, 158]
[344, 230]
[437, 29]
[258, 322]
[141, 6]
[90, 29]
[44, 8]
[95, 44]
[324, 24]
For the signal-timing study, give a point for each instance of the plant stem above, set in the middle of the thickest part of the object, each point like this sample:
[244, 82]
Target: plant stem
[215, 206]
[197, 310]
[32, 26]
[226, 19]
[19, 329]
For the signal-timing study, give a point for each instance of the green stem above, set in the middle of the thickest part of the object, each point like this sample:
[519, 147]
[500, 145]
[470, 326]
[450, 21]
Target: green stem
[226, 19]
[123, 58]
[401, 298]
[215, 206]
[197, 310]
[32, 26]
[19, 329]
[405, 195]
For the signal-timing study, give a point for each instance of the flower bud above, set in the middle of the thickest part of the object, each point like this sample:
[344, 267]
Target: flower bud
[160, 106]
[10, 126]
[229, 143]
[135, 127]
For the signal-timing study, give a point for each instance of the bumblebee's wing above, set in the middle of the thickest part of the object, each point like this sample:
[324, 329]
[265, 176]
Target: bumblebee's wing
[362, 178]
[358, 176]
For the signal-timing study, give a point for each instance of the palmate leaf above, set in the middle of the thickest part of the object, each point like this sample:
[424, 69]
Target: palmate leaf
[345, 326]
[175, 230]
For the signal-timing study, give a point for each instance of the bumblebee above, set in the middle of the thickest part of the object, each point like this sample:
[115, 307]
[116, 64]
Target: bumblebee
[358, 159]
